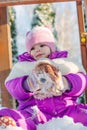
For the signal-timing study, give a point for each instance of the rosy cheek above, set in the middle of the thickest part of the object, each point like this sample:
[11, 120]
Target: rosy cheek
[30, 52]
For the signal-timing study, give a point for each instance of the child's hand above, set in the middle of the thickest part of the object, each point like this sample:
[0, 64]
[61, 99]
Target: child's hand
[49, 69]
[48, 77]
[46, 81]
[56, 83]
[40, 83]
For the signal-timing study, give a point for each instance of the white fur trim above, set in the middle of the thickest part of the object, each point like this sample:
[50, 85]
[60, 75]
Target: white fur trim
[20, 69]
[25, 68]
[64, 66]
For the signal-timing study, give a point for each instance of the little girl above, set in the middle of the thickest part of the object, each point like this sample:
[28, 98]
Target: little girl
[39, 86]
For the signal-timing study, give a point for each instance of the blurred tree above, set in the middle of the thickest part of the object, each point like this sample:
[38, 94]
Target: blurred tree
[85, 19]
[12, 17]
[44, 15]
[85, 22]
[82, 99]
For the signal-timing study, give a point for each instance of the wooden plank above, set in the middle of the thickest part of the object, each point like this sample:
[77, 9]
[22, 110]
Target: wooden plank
[81, 30]
[19, 2]
[5, 55]
[7, 100]
[5, 41]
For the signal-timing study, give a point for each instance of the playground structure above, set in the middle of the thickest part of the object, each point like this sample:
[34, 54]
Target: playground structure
[5, 40]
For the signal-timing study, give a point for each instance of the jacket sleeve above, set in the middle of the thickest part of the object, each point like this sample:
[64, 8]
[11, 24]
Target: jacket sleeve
[16, 88]
[77, 83]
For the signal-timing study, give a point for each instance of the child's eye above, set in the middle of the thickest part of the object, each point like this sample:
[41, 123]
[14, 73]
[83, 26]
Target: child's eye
[42, 45]
[32, 48]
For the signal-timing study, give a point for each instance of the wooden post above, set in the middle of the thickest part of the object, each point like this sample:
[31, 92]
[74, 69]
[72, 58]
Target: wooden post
[85, 4]
[81, 30]
[5, 55]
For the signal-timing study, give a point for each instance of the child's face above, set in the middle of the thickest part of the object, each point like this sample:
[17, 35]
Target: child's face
[40, 51]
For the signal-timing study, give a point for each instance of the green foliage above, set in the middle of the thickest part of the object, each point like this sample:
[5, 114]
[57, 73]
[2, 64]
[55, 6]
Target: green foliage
[44, 15]
[85, 22]
[82, 99]
[12, 17]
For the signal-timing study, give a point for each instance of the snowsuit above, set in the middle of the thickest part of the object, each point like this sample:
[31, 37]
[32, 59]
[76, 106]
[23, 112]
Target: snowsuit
[56, 106]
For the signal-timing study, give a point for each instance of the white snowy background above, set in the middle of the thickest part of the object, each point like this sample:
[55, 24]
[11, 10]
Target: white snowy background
[68, 39]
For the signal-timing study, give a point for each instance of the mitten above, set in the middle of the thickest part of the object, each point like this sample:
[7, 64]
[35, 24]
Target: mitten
[47, 77]
[32, 82]
[46, 81]
[6, 121]
[38, 83]
[56, 83]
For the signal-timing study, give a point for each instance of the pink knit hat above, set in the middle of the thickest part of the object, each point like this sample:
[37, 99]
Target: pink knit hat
[40, 35]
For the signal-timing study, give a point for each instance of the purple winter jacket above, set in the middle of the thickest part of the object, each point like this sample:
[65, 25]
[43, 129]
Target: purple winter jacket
[56, 106]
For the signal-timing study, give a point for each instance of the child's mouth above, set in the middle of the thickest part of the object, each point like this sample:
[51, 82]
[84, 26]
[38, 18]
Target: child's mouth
[39, 55]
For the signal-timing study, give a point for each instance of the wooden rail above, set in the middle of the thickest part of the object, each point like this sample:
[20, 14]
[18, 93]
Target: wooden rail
[20, 2]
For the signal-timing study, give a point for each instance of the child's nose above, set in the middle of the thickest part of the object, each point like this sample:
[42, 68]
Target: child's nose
[38, 50]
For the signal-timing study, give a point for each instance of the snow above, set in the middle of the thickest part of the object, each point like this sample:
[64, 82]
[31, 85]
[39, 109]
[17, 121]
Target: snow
[11, 128]
[65, 123]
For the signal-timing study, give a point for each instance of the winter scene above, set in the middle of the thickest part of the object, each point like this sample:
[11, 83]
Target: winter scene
[48, 87]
